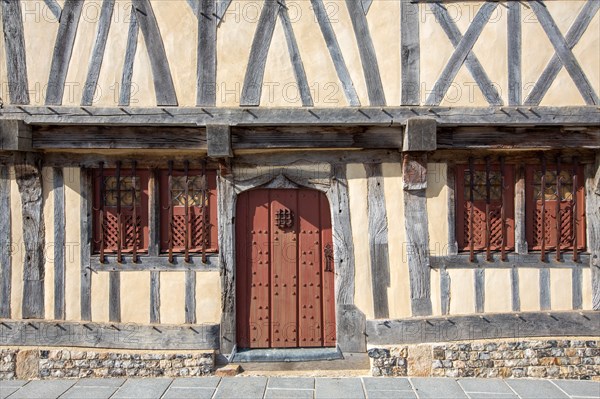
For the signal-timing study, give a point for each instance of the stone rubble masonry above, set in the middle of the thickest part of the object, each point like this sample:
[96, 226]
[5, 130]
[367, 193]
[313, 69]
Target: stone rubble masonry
[48, 363]
[548, 358]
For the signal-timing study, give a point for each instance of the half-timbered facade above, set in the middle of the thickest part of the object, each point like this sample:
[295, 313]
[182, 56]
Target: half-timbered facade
[229, 175]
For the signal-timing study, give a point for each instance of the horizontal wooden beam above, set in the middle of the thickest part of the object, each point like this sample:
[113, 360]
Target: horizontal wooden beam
[15, 136]
[109, 335]
[486, 326]
[155, 263]
[461, 261]
[387, 116]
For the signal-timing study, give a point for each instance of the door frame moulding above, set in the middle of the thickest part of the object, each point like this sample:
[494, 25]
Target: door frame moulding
[324, 177]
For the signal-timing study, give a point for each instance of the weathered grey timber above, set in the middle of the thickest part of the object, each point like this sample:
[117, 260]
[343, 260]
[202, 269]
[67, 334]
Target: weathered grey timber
[577, 289]
[218, 139]
[414, 173]
[195, 6]
[114, 296]
[28, 173]
[63, 49]
[389, 116]
[545, 300]
[575, 32]
[15, 135]
[296, 59]
[155, 297]
[16, 63]
[86, 243]
[5, 243]
[154, 213]
[514, 289]
[253, 81]
[451, 187]
[445, 293]
[565, 54]
[154, 263]
[366, 5]
[479, 290]
[59, 243]
[520, 233]
[109, 335]
[91, 81]
[190, 297]
[54, 8]
[514, 36]
[410, 53]
[163, 82]
[592, 197]
[351, 328]
[489, 326]
[206, 92]
[420, 134]
[366, 50]
[378, 240]
[463, 54]
[222, 6]
[335, 52]
[461, 261]
[130, 50]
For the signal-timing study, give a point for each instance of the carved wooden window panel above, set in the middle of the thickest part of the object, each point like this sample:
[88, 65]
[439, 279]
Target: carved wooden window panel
[202, 227]
[115, 206]
[562, 203]
[480, 192]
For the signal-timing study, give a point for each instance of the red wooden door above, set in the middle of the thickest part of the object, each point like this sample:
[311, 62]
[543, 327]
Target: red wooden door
[285, 275]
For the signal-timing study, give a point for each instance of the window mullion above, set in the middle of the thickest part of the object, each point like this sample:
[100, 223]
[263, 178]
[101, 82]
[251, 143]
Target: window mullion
[558, 205]
[101, 216]
[574, 197]
[119, 216]
[543, 195]
[471, 210]
[502, 210]
[171, 216]
[488, 189]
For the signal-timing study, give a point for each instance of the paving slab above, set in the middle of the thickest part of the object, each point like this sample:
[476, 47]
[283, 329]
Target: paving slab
[534, 389]
[291, 383]
[484, 395]
[241, 388]
[580, 388]
[442, 388]
[6, 392]
[12, 383]
[150, 388]
[100, 382]
[373, 394]
[289, 393]
[335, 388]
[197, 382]
[43, 389]
[387, 384]
[188, 393]
[485, 386]
[90, 392]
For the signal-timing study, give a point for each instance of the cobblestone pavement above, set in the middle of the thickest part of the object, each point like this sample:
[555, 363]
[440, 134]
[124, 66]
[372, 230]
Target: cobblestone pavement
[263, 387]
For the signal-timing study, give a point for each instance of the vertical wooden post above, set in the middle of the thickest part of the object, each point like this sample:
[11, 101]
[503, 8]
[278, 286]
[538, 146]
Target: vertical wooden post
[154, 242]
[520, 200]
[86, 243]
[419, 138]
[5, 244]
[592, 188]
[28, 172]
[59, 244]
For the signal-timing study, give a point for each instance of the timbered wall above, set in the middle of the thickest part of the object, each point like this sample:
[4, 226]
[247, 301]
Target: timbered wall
[331, 53]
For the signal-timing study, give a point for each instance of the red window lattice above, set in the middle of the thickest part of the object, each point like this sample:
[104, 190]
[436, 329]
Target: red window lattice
[484, 206]
[202, 221]
[114, 225]
[563, 218]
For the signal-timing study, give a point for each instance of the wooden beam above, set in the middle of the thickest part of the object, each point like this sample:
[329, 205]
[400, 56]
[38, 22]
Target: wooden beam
[91, 81]
[114, 296]
[5, 243]
[86, 243]
[461, 261]
[480, 327]
[206, 92]
[366, 5]
[410, 53]
[54, 8]
[109, 335]
[163, 82]
[479, 290]
[368, 57]
[451, 197]
[154, 263]
[445, 293]
[577, 288]
[514, 288]
[544, 282]
[155, 297]
[592, 198]
[218, 139]
[520, 215]
[335, 52]
[16, 62]
[414, 173]
[575, 32]
[345, 116]
[130, 50]
[154, 213]
[15, 135]
[564, 53]
[28, 173]
[190, 297]
[59, 243]
[514, 37]
[463, 54]
[420, 134]
[378, 240]
[222, 6]
[63, 49]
